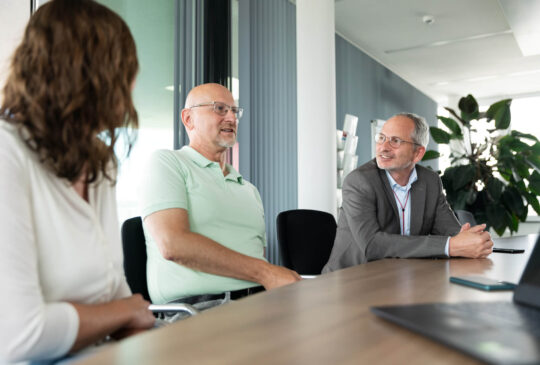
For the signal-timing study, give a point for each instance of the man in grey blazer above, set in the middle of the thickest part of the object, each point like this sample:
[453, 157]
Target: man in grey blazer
[395, 208]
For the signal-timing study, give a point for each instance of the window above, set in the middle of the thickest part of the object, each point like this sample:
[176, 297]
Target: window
[152, 26]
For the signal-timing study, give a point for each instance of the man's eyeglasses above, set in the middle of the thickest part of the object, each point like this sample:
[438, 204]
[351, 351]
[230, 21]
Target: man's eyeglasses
[222, 108]
[394, 142]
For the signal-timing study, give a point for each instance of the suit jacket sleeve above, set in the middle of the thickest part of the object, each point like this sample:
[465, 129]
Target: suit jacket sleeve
[372, 241]
[446, 223]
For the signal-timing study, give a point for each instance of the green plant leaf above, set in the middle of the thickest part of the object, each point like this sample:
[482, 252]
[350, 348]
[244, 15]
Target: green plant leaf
[533, 157]
[505, 174]
[494, 188]
[521, 167]
[499, 231]
[498, 218]
[533, 201]
[453, 112]
[430, 155]
[512, 200]
[515, 144]
[500, 111]
[524, 135]
[472, 197]
[514, 223]
[520, 185]
[468, 107]
[447, 179]
[464, 175]
[479, 206]
[505, 141]
[533, 161]
[534, 183]
[535, 148]
[451, 124]
[461, 200]
[439, 135]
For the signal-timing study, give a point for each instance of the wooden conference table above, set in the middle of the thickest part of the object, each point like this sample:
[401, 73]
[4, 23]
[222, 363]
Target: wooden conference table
[325, 320]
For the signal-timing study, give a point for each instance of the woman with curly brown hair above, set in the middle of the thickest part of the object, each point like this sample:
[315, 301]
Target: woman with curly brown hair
[67, 95]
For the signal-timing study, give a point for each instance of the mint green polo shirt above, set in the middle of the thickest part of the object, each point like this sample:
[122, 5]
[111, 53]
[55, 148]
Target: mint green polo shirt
[227, 209]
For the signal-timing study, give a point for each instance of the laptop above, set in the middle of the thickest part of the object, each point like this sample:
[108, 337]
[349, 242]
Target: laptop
[494, 332]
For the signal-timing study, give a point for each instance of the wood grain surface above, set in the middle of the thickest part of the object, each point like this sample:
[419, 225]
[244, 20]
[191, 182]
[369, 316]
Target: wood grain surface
[325, 320]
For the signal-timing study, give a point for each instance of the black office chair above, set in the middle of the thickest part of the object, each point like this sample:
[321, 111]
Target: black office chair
[305, 238]
[134, 246]
[464, 216]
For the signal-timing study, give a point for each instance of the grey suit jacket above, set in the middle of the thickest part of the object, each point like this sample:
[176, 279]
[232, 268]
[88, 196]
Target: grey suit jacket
[368, 226]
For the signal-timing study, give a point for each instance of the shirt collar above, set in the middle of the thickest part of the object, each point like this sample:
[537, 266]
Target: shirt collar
[202, 161]
[234, 175]
[395, 185]
[197, 157]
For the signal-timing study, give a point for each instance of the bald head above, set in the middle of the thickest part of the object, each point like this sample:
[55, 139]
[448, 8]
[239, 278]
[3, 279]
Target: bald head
[206, 93]
[210, 131]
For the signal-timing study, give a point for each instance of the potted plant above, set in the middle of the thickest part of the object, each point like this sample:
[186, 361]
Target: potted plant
[495, 171]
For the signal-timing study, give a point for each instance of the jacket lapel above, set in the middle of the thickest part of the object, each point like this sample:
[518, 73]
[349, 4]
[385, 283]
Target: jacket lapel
[388, 192]
[418, 201]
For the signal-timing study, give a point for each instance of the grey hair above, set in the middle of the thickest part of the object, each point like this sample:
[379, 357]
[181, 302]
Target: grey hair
[420, 134]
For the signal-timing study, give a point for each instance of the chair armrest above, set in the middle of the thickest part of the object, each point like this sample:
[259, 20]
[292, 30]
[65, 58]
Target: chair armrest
[175, 308]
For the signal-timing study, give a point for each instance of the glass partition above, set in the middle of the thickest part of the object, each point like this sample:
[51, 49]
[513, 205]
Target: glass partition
[152, 26]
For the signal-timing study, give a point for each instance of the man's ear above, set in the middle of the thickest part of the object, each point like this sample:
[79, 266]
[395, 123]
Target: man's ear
[419, 153]
[187, 120]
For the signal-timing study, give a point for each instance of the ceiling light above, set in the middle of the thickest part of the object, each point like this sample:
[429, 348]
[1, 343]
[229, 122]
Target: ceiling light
[449, 42]
[481, 78]
[490, 77]
[523, 73]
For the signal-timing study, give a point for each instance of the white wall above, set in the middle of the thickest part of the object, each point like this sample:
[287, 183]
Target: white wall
[316, 88]
[14, 15]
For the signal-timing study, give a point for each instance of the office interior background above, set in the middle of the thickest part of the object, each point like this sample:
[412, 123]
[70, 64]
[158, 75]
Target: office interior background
[298, 67]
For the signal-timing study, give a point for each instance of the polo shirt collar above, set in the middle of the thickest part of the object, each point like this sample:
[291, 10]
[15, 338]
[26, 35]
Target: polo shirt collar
[395, 185]
[197, 157]
[202, 161]
[234, 175]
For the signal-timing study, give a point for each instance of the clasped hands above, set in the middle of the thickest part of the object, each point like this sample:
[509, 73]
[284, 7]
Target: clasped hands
[472, 242]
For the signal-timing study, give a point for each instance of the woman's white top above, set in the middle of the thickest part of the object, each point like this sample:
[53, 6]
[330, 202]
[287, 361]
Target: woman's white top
[55, 248]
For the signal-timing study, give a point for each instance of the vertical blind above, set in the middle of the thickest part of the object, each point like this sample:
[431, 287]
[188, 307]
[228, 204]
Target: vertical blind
[270, 72]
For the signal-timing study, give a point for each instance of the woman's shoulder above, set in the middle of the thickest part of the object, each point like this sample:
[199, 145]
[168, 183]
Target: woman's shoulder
[10, 140]
[7, 129]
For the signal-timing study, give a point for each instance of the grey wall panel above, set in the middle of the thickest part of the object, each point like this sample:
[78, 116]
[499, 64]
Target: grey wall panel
[270, 69]
[370, 91]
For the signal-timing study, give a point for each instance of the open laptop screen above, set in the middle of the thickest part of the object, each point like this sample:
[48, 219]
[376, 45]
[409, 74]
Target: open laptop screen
[528, 290]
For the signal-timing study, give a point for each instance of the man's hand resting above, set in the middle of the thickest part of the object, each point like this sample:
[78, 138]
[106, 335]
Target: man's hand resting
[472, 242]
[276, 276]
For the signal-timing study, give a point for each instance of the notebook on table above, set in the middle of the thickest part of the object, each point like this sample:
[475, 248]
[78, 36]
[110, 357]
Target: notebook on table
[495, 332]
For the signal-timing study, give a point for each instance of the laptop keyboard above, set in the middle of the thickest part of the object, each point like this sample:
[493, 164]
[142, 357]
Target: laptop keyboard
[512, 314]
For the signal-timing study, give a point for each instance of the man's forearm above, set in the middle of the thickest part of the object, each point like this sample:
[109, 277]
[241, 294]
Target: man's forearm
[201, 253]
[384, 245]
[176, 242]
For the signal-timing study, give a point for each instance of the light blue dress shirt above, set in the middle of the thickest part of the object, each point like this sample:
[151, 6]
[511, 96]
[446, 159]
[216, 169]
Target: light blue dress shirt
[400, 195]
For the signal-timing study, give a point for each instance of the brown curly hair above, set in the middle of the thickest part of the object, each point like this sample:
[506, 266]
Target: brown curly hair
[69, 87]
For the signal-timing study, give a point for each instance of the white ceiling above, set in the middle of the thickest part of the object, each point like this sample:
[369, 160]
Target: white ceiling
[473, 46]
[470, 47]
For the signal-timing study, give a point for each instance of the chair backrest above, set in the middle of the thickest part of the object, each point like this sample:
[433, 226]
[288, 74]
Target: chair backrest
[465, 216]
[134, 245]
[306, 238]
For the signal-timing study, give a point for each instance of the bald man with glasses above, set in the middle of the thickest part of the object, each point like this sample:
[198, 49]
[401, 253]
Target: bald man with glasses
[395, 208]
[203, 222]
